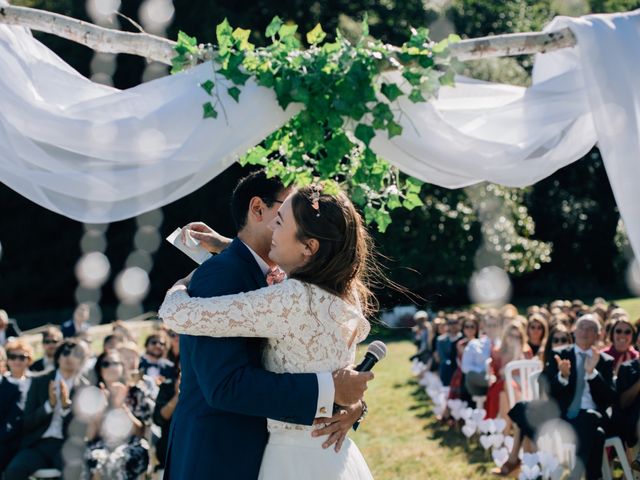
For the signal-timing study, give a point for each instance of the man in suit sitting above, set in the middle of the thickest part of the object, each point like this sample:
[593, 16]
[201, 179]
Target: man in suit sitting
[581, 382]
[219, 426]
[48, 414]
[51, 339]
[10, 415]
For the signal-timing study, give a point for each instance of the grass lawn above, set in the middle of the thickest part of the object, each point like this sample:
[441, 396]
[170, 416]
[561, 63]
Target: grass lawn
[401, 438]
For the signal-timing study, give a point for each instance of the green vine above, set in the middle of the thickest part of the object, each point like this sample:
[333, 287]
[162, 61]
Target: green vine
[345, 104]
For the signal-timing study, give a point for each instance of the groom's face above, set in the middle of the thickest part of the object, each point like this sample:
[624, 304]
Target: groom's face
[269, 213]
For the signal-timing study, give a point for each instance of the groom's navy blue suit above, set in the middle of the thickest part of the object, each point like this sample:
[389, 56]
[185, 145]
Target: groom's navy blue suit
[218, 430]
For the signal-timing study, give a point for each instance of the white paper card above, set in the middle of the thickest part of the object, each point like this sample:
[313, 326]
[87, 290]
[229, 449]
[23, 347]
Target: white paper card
[191, 248]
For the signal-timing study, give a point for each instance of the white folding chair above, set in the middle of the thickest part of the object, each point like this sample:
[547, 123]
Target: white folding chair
[523, 370]
[616, 443]
[534, 385]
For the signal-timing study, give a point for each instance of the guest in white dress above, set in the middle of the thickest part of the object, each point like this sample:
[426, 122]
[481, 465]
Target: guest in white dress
[312, 321]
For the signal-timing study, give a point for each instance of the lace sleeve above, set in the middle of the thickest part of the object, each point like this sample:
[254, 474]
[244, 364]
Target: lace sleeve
[270, 312]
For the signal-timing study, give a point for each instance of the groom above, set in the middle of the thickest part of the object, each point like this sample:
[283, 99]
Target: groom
[219, 430]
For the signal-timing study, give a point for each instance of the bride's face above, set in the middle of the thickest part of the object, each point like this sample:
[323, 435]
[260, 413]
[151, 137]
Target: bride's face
[286, 250]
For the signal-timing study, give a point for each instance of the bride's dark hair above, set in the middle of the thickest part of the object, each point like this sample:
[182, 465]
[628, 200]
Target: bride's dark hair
[344, 261]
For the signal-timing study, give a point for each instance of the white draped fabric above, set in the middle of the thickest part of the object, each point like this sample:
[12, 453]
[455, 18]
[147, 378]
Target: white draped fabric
[97, 154]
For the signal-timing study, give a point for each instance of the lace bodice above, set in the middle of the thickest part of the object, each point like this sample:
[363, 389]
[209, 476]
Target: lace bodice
[307, 329]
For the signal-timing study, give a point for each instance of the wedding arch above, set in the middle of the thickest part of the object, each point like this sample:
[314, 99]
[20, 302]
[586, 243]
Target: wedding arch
[97, 154]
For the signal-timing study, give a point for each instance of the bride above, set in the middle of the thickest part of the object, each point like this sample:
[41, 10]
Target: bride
[312, 321]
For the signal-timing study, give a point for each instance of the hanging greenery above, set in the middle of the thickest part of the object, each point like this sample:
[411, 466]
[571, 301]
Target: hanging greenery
[345, 104]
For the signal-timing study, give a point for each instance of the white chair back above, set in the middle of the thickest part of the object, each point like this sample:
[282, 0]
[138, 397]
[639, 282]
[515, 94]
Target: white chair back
[534, 385]
[522, 369]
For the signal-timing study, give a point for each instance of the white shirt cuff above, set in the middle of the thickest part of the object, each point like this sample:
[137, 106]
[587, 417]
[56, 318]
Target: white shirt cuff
[326, 394]
[47, 407]
[563, 381]
[592, 375]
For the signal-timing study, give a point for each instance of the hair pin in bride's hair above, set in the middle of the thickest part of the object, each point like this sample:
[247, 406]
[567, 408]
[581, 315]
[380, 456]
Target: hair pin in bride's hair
[315, 199]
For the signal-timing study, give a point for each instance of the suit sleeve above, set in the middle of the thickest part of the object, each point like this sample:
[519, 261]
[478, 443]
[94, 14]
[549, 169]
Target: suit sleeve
[35, 413]
[227, 374]
[12, 417]
[602, 387]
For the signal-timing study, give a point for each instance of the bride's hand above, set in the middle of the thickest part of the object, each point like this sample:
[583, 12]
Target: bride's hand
[338, 426]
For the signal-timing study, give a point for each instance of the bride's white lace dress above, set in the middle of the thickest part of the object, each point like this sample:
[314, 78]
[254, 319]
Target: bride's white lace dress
[307, 330]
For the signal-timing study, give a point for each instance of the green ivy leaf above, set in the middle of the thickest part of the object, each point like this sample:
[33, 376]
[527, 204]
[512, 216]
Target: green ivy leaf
[234, 92]
[242, 36]
[448, 79]
[393, 201]
[391, 91]
[186, 43]
[412, 77]
[207, 86]
[224, 37]
[383, 220]
[411, 201]
[255, 156]
[365, 26]
[208, 111]
[273, 27]
[394, 129]
[316, 35]
[365, 133]
[416, 96]
[287, 31]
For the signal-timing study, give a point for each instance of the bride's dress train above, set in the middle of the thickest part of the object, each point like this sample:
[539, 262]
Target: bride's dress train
[307, 330]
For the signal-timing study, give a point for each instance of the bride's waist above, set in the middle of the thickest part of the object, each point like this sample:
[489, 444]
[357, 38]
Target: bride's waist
[299, 437]
[275, 426]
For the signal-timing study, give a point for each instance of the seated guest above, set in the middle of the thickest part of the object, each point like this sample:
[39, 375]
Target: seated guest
[51, 339]
[580, 380]
[422, 336]
[173, 355]
[77, 325]
[48, 413]
[10, 416]
[130, 354]
[477, 353]
[470, 330]
[8, 328]
[528, 416]
[445, 350]
[19, 357]
[166, 403]
[626, 414]
[112, 341]
[153, 362]
[537, 329]
[513, 346]
[622, 337]
[108, 454]
[440, 328]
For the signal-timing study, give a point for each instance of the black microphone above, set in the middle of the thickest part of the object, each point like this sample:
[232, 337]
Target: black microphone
[377, 351]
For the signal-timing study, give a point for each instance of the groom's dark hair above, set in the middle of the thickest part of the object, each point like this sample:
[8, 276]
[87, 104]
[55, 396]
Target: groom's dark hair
[256, 184]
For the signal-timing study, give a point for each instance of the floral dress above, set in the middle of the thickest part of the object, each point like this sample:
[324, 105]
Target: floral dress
[123, 458]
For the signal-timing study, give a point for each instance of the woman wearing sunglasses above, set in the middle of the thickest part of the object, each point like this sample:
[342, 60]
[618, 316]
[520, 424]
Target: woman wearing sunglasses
[116, 446]
[622, 336]
[19, 358]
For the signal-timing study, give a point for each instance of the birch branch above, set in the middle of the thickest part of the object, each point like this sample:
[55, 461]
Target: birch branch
[100, 39]
[161, 50]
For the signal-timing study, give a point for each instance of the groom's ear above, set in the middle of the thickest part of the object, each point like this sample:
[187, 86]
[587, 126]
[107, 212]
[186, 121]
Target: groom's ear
[256, 208]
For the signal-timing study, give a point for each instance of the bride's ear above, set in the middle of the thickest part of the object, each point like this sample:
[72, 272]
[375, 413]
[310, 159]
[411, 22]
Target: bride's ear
[311, 247]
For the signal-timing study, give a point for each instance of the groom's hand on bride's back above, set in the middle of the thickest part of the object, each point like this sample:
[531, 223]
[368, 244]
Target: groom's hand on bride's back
[350, 385]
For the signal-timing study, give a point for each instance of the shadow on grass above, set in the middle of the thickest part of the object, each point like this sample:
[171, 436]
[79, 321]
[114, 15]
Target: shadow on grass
[449, 437]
